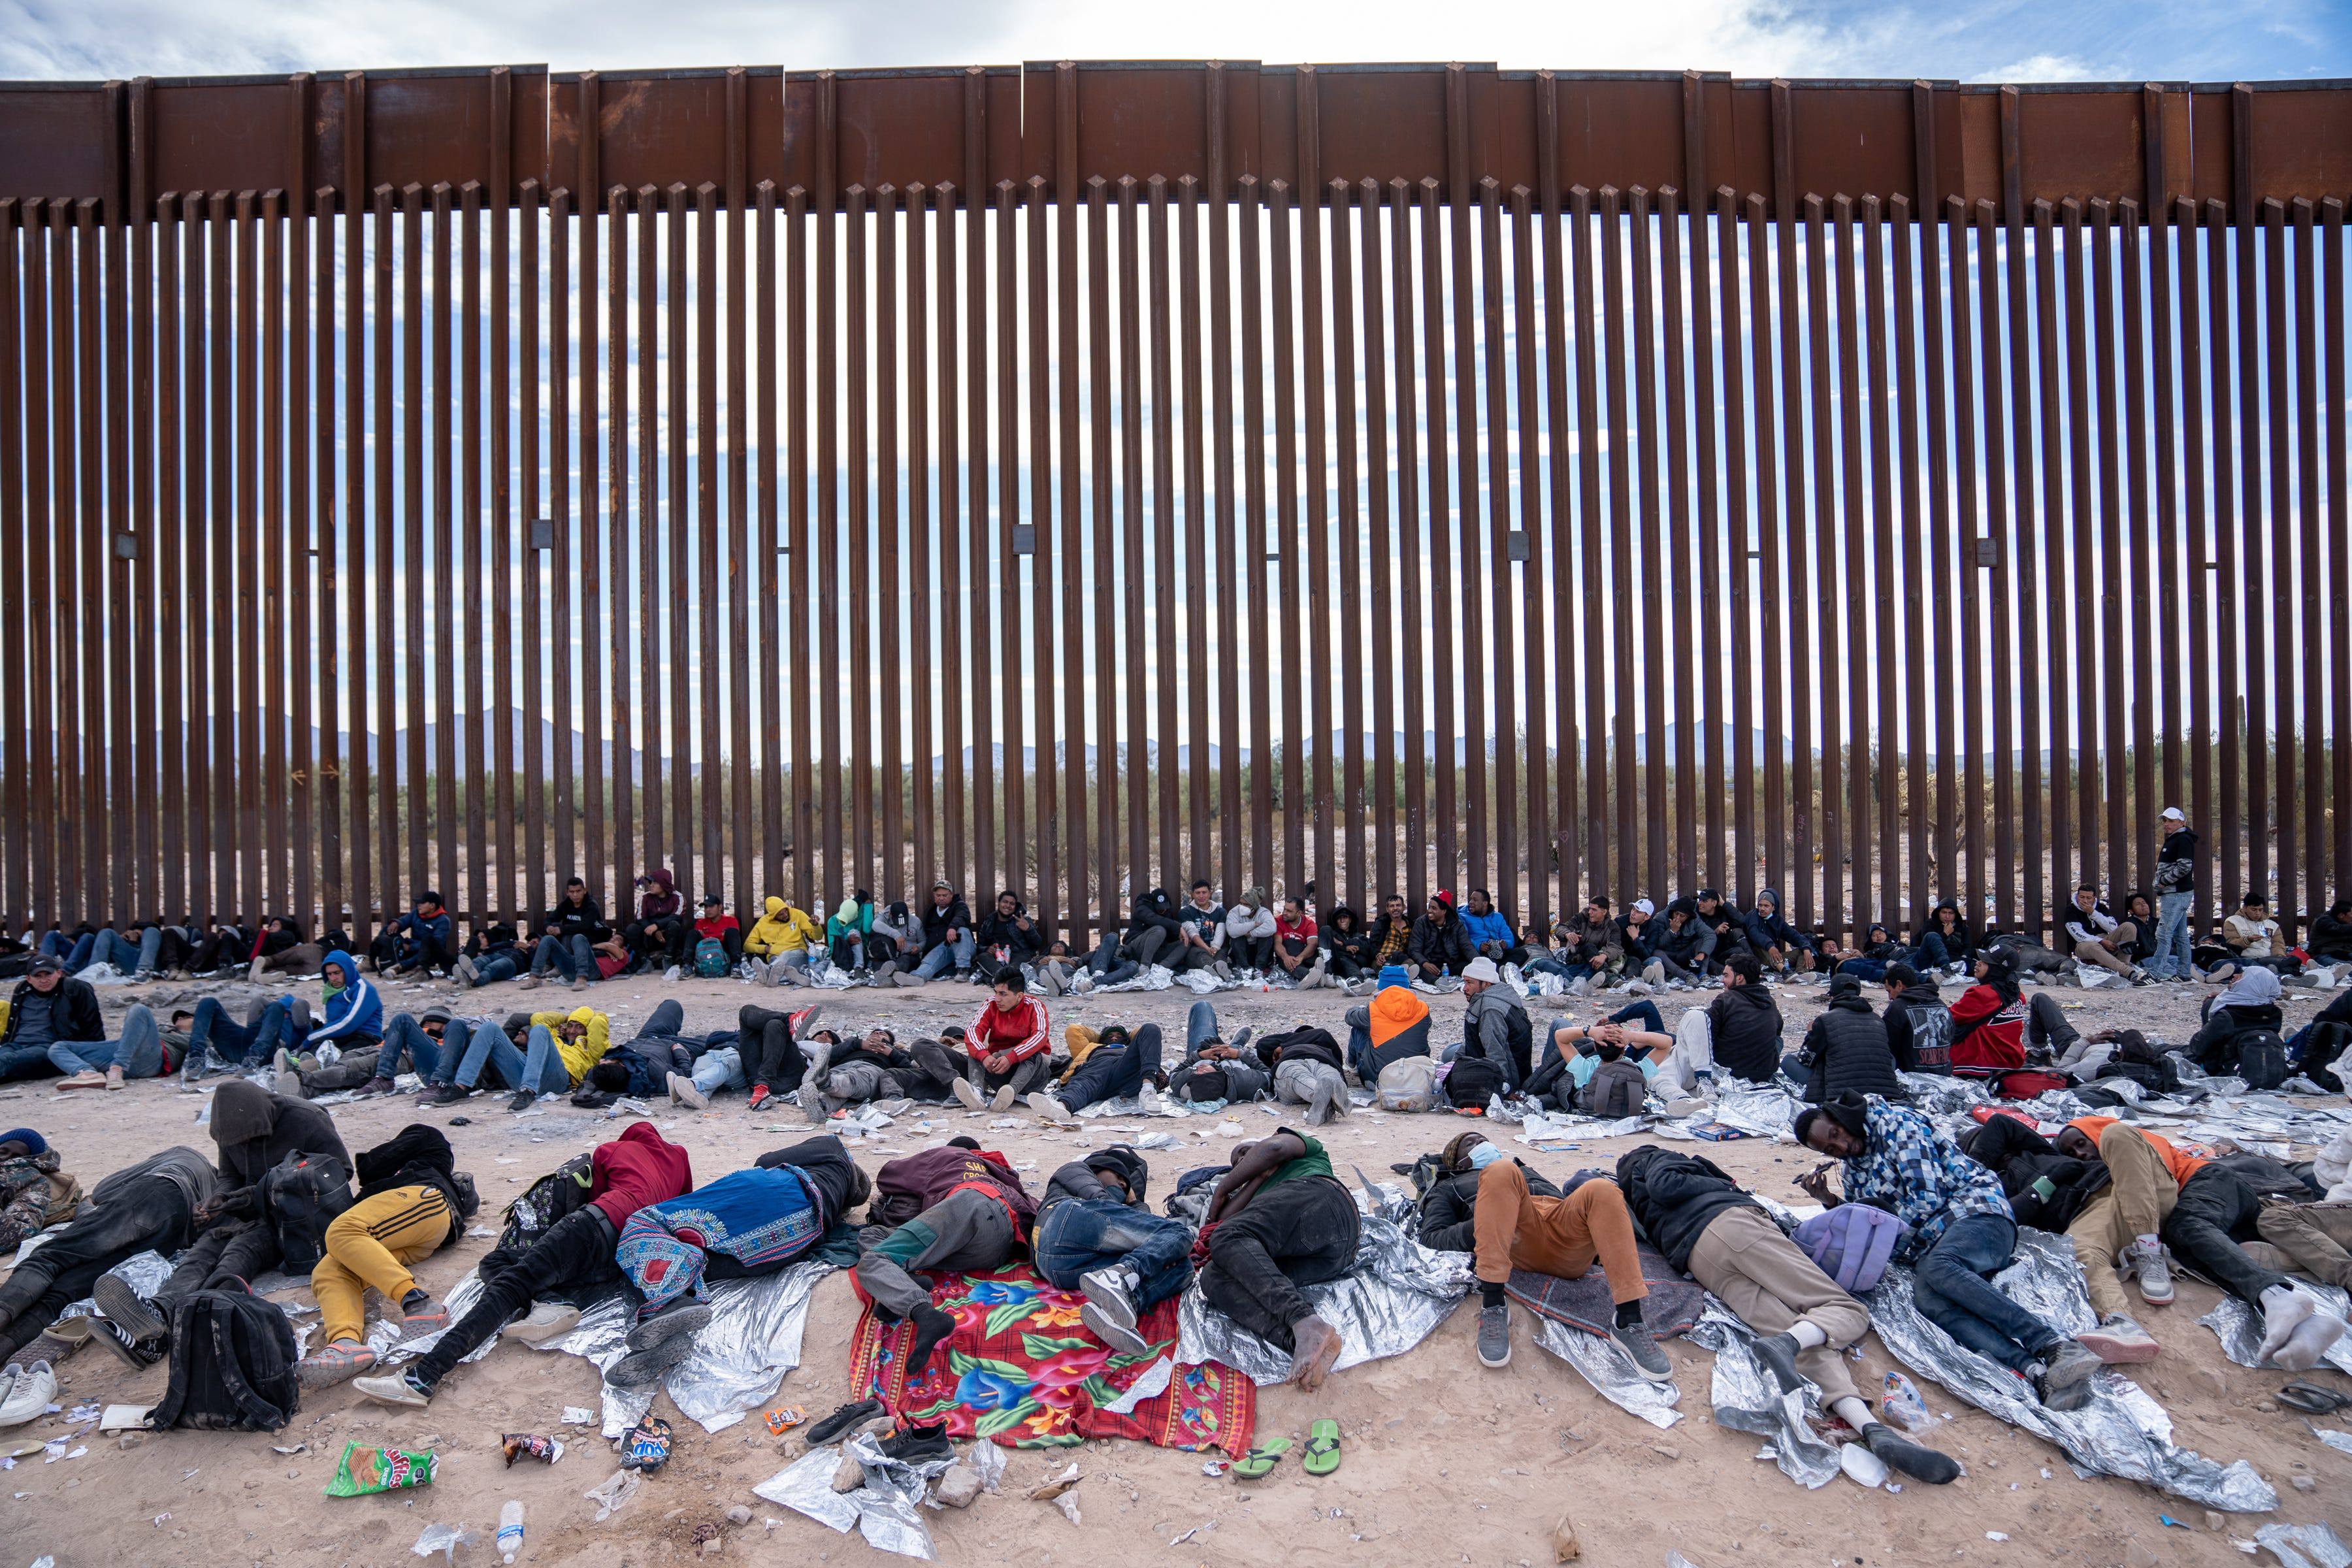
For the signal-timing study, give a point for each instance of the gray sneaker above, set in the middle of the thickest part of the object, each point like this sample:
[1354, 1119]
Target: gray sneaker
[1495, 1336]
[2064, 1382]
[1652, 1360]
[1110, 1308]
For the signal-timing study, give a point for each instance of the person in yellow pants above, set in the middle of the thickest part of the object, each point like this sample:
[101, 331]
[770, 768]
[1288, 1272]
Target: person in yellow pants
[414, 1206]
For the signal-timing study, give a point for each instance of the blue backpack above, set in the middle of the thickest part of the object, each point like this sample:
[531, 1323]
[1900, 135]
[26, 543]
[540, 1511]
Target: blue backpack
[709, 958]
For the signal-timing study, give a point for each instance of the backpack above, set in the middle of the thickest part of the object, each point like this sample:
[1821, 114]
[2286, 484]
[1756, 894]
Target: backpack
[1472, 1082]
[1408, 1083]
[562, 1191]
[233, 1356]
[299, 1198]
[1852, 1243]
[1616, 1089]
[2261, 1057]
[2027, 1083]
[709, 959]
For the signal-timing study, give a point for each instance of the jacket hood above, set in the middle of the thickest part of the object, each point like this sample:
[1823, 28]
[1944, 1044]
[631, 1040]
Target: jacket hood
[1124, 1163]
[774, 906]
[415, 1144]
[1398, 1006]
[1160, 902]
[344, 960]
[583, 1016]
[242, 1111]
[662, 878]
[2256, 987]
[1757, 995]
[641, 1132]
[1772, 893]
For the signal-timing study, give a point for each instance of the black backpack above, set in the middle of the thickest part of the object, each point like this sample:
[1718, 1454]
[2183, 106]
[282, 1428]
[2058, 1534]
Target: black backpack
[1473, 1081]
[233, 1357]
[2261, 1057]
[300, 1197]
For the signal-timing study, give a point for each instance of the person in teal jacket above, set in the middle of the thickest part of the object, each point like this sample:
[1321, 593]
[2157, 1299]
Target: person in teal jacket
[846, 932]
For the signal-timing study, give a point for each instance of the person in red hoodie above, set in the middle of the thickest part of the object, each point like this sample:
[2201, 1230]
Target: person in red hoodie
[714, 924]
[1993, 1023]
[1008, 1045]
[573, 1255]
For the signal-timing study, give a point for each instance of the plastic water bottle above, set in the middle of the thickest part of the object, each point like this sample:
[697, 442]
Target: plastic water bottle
[1901, 1404]
[511, 1531]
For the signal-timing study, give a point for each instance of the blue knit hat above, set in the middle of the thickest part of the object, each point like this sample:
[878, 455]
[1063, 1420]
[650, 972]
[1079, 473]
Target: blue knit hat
[33, 1141]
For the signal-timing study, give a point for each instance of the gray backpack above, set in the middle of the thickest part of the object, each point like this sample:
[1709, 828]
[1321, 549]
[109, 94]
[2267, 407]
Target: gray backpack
[1617, 1088]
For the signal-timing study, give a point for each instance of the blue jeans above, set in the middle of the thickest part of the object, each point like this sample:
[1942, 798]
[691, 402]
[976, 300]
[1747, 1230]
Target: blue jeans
[539, 1069]
[1643, 1014]
[1113, 1072]
[1200, 1026]
[406, 1035]
[575, 958]
[233, 1041]
[493, 968]
[955, 950]
[720, 1066]
[1954, 1290]
[1865, 969]
[25, 1061]
[139, 1049]
[1079, 1236]
[2171, 958]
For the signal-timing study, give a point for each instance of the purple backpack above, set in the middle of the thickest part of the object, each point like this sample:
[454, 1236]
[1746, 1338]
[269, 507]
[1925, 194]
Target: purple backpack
[1852, 1243]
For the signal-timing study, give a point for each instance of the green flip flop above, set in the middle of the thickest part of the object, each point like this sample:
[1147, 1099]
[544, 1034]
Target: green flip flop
[1260, 1461]
[1322, 1454]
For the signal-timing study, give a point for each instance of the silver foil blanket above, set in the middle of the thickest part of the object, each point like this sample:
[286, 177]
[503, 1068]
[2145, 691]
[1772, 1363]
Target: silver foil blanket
[2239, 1329]
[1604, 1365]
[1394, 1297]
[2121, 1432]
[1747, 1399]
[886, 1509]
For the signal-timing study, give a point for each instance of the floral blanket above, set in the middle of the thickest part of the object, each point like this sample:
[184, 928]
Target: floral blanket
[1022, 1369]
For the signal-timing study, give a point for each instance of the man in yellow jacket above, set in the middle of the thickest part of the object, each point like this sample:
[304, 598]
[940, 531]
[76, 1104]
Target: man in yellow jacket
[558, 1052]
[780, 944]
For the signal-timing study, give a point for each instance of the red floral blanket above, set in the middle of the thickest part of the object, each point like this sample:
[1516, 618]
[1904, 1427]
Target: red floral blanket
[1022, 1369]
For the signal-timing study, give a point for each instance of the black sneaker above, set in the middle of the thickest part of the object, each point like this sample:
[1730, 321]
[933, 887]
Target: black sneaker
[120, 1305]
[641, 1370]
[524, 1099]
[136, 1355]
[443, 1094]
[1917, 1460]
[1778, 1352]
[917, 1445]
[842, 1421]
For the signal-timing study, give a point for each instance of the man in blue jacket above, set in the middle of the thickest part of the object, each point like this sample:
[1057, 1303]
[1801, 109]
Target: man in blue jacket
[1489, 930]
[351, 1019]
[425, 938]
[1781, 945]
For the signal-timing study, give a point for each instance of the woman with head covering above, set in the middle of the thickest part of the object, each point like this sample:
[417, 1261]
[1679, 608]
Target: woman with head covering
[2251, 1002]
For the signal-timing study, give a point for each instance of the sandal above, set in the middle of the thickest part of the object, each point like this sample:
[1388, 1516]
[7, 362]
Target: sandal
[2312, 1399]
[1260, 1461]
[1322, 1454]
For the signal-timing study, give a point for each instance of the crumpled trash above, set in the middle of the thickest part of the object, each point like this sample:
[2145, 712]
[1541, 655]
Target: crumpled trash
[989, 1460]
[1051, 1489]
[443, 1540]
[887, 1510]
[2304, 1546]
[1157, 977]
[613, 1493]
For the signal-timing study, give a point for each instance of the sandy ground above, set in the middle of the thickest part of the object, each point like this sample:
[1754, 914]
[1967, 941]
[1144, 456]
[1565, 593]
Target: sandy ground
[1444, 1461]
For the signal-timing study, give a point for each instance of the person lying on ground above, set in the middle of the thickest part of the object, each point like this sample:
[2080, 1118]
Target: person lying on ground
[2111, 1212]
[1516, 1227]
[34, 1191]
[1279, 1220]
[1305, 1064]
[747, 1223]
[774, 1060]
[1712, 1230]
[1845, 1050]
[1870, 957]
[1449, 1204]
[1961, 1233]
[2204, 1211]
[1216, 1070]
[874, 1066]
[571, 1261]
[1109, 1064]
[412, 1202]
[1095, 1237]
[957, 1210]
[150, 1207]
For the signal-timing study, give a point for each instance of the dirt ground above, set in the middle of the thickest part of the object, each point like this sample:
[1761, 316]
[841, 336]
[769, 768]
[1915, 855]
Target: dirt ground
[1531, 1443]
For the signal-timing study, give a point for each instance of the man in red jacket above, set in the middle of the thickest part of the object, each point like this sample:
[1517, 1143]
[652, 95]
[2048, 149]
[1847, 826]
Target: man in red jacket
[574, 1254]
[958, 1210]
[1008, 1045]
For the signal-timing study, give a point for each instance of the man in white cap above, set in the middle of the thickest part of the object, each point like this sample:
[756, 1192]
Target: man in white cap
[2176, 875]
[1496, 1025]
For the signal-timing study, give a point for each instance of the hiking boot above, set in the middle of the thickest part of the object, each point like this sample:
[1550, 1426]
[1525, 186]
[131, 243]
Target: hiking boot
[136, 1355]
[2147, 1260]
[1778, 1352]
[339, 1363]
[1001, 1101]
[524, 1099]
[1917, 1460]
[402, 1390]
[685, 1317]
[2119, 1342]
[966, 1095]
[546, 1321]
[1050, 1107]
[2064, 1379]
[917, 1445]
[683, 1092]
[845, 1419]
[1652, 1360]
[1109, 1309]
[1495, 1336]
[120, 1305]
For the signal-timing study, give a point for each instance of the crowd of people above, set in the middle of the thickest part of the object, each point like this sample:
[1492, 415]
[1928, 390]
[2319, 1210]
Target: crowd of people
[629, 1215]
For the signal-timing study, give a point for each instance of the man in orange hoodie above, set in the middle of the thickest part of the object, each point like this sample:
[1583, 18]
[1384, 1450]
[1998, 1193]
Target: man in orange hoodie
[1393, 1026]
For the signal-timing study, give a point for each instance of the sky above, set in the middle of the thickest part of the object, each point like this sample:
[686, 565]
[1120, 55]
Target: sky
[1975, 41]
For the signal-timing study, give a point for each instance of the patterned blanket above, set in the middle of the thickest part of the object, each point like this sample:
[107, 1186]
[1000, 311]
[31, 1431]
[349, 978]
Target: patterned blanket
[1672, 1304]
[1021, 1369]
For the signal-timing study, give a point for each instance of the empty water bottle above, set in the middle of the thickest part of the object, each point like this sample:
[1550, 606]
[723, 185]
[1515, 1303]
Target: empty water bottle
[511, 1531]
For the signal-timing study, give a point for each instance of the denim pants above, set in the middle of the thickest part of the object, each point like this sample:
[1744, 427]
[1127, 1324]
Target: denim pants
[1200, 1026]
[956, 951]
[493, 968]
[539, 1069]
[406, 1035]
[2170, 960]
[1113, 1072]
[721, 1067]
[139, 1049]
[1079, 1236]
[1954, 1290]
[575, 957]
[235, 1042]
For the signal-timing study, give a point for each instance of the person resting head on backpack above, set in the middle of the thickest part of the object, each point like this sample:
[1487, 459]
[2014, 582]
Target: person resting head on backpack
[412, 1203]
[1448, 1221]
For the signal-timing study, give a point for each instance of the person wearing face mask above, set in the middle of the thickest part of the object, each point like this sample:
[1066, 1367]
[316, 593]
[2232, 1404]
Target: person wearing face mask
[1714, 1232]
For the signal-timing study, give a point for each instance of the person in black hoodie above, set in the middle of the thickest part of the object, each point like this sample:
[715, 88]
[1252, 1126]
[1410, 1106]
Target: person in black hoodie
[1918, 1024]
[1845, 1050]
[1680, 947]
[412, 1202]
[947, 940]
[1708, 1227]
[1742, 1026]
[1008, 935]
[1094, 1236]
[1347, 945]
[1439, 945]
[569, 935]
[2330, 938]
[1154, 927]
[1944, 940]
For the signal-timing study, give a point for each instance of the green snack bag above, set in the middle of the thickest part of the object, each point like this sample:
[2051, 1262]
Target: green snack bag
[363, 1469]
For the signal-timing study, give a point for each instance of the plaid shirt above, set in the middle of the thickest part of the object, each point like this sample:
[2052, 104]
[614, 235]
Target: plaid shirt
[1920, 1176]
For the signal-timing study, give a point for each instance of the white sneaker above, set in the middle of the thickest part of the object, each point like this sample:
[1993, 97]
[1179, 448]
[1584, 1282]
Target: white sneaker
[1001, 1101]
[966, 1096]
[1149, 1100]
[29, 1396]
[1050, 1107]
[546, 1321]
[683, 1092]
[672, 973]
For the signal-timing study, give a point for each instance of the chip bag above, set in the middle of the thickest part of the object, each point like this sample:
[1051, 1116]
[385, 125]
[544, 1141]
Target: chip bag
[363, 1469]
